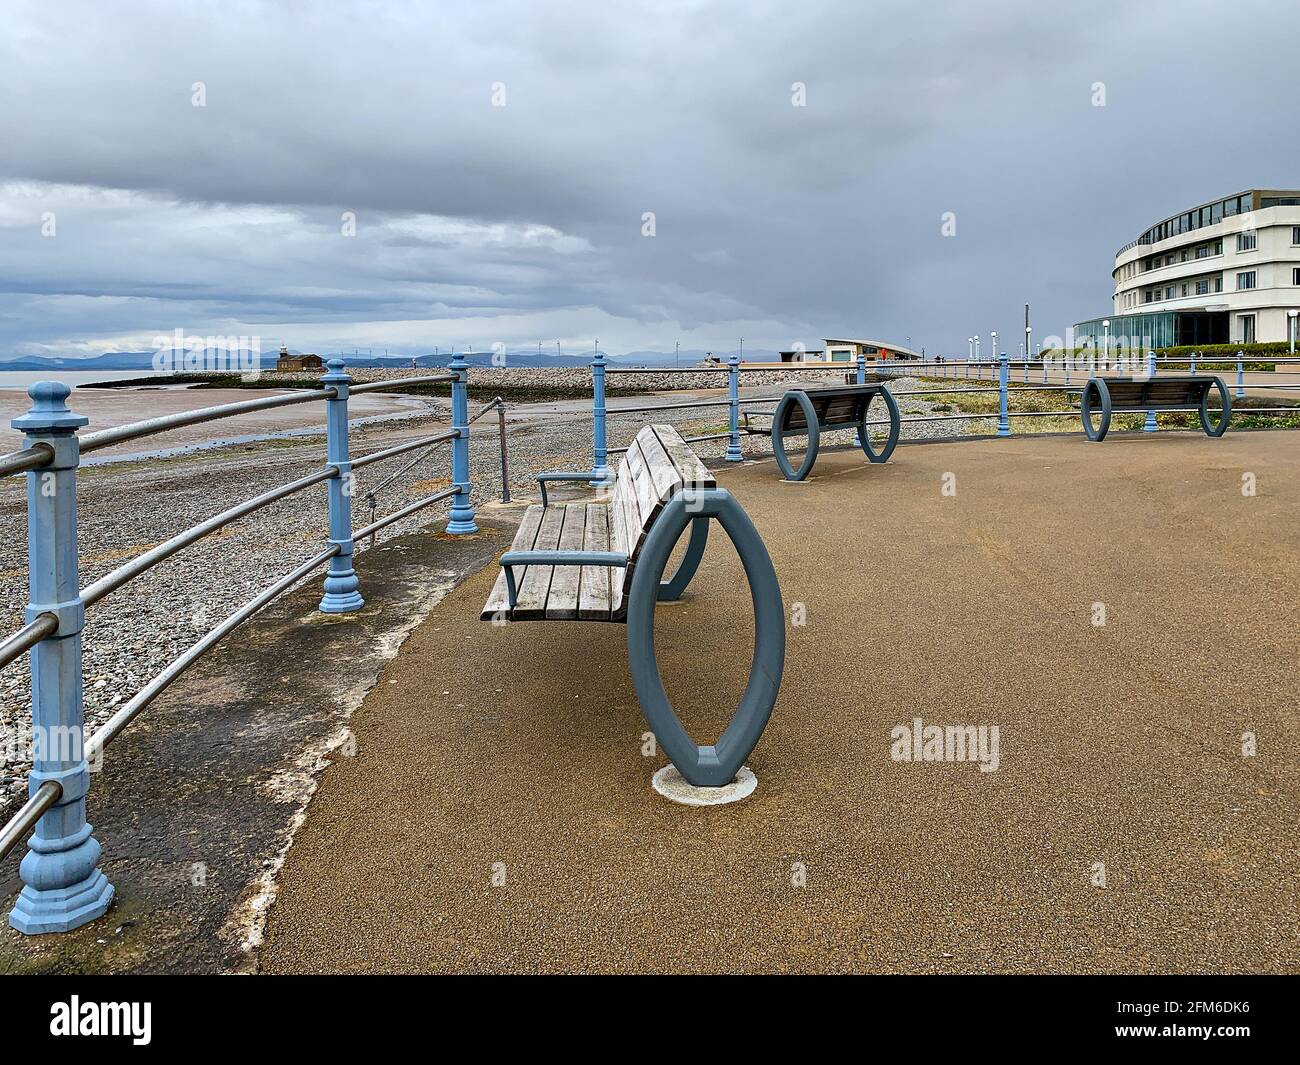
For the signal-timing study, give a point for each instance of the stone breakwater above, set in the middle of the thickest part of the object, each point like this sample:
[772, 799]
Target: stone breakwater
[578, 378]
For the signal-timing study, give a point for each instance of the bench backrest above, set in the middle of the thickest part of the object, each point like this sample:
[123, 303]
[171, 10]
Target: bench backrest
[657, 466]
[837, 406]
[1158, 392]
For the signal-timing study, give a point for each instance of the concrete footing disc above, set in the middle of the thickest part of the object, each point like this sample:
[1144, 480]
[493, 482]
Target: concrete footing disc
[674, 787]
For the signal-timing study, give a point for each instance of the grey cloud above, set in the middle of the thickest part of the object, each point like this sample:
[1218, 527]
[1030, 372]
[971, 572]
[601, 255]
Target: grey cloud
[795, 222]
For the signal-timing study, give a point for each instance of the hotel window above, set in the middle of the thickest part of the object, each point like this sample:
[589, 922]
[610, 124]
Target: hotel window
[1203, 288]
[1295, 234]
[1218, 247]
[1295, 276]
[1246, 280]
[1203, 252]
[1218, 283]
[1148, 296]
[1246, 241]
[1170, 293]
[1247, 328]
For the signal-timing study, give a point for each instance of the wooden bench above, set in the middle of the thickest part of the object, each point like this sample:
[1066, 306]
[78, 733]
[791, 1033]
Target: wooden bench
[1110, 395]
[605, 560]
[810, 411]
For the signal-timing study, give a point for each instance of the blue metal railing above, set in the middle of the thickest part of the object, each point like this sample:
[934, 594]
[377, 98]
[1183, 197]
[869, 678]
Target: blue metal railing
[63, 885]
[997, 369]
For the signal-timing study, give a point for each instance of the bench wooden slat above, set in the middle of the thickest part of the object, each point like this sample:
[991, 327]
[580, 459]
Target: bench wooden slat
[525, 537]
[593, 589]
[536, 585]
[637, 504]
[693, 472]
[562, 601]
[667, 479]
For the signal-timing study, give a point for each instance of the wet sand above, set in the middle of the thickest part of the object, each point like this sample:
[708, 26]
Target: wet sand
[108, 407]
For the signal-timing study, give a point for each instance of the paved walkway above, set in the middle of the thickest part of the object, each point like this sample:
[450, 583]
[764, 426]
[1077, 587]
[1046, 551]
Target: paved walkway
[1120, 745]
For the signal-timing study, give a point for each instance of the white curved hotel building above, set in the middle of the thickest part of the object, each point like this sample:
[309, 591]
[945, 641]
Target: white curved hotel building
[1225, 272]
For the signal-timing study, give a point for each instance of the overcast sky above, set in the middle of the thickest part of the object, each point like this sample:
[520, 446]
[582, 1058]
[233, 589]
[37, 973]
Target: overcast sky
[480, 224]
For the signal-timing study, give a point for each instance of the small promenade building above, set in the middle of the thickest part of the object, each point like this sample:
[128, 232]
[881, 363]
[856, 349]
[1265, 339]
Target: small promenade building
[848, 351]
[297, 362]
[1224, 272]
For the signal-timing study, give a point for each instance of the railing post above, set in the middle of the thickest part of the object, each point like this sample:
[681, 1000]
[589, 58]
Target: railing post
[1193, 363]
[1004, 372]
[63, 885]
[862, 369]
[599, 446]
[733, 401]
[1241, 377]
[1149, 426]
[462, 512]
[505, 462]
[341, 594]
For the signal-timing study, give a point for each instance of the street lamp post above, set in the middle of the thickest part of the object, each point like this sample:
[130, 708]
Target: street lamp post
[993, 345]
[1292, 315]
[1105, 358]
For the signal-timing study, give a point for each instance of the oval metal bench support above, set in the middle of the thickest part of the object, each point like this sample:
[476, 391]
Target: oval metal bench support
[1222, 426]
[895, 427]
[779, 417]
[674, 586]
[717, 764]
[1098, 387]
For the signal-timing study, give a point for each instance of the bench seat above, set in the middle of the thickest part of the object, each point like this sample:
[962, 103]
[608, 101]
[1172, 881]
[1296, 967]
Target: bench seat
[1110, 395]
[810, 411]
[657, 466]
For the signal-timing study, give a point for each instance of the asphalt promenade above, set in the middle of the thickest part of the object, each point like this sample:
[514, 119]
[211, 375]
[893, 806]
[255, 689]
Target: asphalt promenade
[497, 814]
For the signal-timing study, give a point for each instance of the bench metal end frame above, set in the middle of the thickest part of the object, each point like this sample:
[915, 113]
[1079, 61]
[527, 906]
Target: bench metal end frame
[716, 764]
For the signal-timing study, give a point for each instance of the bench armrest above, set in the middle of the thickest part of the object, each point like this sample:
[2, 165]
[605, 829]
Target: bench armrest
[563, 475]
[613, 559]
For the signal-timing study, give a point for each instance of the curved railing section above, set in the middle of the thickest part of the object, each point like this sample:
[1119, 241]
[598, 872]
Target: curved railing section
[1058, 374]
[63, 886]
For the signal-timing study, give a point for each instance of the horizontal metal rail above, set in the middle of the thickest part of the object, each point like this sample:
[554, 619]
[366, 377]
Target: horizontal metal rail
[25, 819]
[406, 511]
[807, 367]
[402, 382]
[724, 402]
[402, 449]
[113, 727]
[491, 404]
[29, 458]
[110, 582]
[116, 435]
[27, 637]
